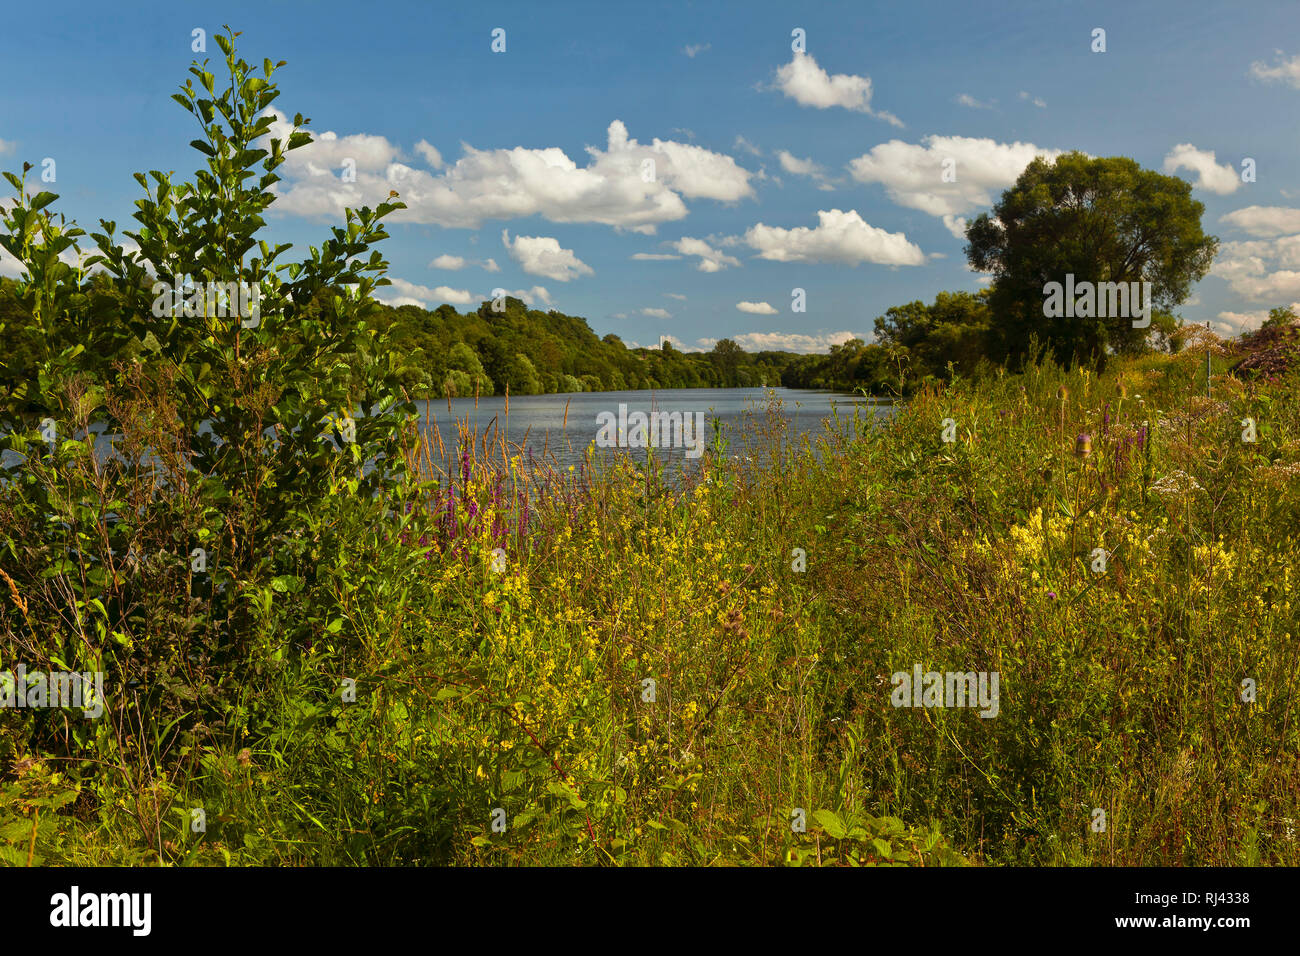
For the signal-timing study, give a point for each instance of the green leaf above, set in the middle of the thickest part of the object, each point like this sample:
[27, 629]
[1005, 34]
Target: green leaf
[831, 823]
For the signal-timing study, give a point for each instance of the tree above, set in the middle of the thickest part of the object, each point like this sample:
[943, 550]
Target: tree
[462, 358]
[1280, 316]
[248, 431]
[1100, 220]
[953, 330]
[726, 356]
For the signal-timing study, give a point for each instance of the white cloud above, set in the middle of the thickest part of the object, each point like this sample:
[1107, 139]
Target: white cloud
[1287, 71]
[800, 167]
[1234, 323]
[803, 81]
[1261, 270]
[697, 49]
[528, 296]
[1267, 222]
[742, 143]
[1037, 101]
[965, 99]
[913, 175]
[711, 260]
[840, 237]
[453, 263]
[804, 167]
[402, 292]
[512, 183]
[542, 256]
[653, 256]
[677, 344]
[1210, 176]
[10, 267]
[756, 308]
[657, 313]
[675, 295]
[791, 342]
[6, 146]
[431, 155]
[536, 294]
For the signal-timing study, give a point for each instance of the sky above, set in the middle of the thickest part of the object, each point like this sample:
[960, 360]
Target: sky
[678, 170]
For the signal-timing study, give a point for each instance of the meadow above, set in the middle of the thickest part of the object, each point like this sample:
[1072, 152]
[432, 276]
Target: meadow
[599, 666]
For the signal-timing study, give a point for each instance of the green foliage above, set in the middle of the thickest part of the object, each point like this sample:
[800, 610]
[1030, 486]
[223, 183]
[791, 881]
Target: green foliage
[188, 567]
[1101, 219]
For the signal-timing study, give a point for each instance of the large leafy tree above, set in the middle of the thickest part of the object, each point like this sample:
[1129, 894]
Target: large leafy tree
[1102, 220]
[954, 329]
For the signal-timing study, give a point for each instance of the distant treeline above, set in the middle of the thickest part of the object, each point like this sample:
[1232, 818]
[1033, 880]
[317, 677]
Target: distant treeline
[533, 352]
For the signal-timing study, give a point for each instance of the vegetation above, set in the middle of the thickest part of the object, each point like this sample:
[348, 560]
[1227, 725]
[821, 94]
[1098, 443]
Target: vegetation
[324, 641]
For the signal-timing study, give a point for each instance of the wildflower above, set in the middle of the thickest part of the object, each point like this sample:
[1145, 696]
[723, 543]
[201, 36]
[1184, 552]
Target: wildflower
[1083, 446]
[1176, 484]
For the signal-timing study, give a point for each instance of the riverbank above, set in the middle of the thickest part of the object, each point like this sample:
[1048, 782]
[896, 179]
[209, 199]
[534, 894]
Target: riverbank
[630, 673]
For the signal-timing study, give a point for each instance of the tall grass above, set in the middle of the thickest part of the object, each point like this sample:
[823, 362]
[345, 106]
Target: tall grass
[633, 671]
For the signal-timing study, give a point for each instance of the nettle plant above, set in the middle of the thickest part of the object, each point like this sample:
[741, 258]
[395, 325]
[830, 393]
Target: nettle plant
[192, 552]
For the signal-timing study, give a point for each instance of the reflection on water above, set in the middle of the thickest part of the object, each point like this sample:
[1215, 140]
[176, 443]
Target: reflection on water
[537, 424]
[557, 429]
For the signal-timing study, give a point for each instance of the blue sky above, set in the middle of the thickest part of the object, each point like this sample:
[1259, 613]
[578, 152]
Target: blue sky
[773, 170]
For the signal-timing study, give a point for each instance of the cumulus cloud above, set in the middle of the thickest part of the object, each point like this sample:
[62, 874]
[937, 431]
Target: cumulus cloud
[788, 342]
[965, 99]
[542, 256]
[657, 313]
[10, 267]
[675, 295]
[511, 183]
[913, 174]
[804, 167]
[840, 237]
[756, 308]
[1284, 70]
[1037, 101]
[529, 297]
[694, 50]
[454, 263]
[1266, 222]
[431, 155]
[747, 146]
[1210, 176]
[1261, 270]
[711, 260]
[654, 256]
[402, 292]
[537, 293]
[803, 81]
